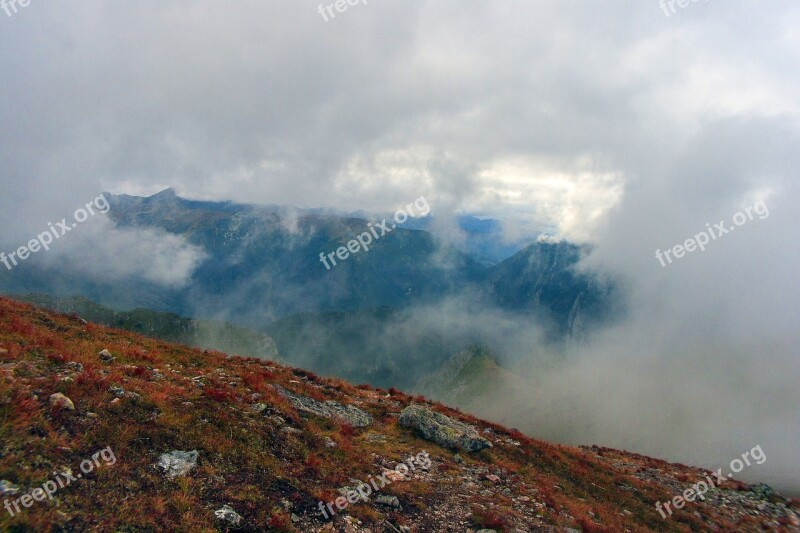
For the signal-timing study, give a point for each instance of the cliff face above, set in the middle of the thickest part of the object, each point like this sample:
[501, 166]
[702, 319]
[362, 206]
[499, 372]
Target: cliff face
[126, 433]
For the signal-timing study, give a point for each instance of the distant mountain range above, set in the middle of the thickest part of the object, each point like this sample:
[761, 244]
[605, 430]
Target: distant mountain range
[262, 271]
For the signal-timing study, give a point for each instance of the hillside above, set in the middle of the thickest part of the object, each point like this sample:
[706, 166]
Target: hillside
[207, 334]
[147, 436]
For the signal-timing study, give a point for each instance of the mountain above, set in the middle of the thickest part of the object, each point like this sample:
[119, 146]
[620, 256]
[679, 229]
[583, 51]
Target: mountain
[262, 264]
[468, 379]
[205, 334]
[542, 279]
[383, 347]
[103, 429]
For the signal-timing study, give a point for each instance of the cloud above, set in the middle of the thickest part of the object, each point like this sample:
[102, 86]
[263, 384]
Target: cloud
[107, 253]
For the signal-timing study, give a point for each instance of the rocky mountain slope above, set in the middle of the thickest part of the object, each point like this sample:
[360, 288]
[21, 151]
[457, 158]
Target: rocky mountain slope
[207, 334]
[107, 430]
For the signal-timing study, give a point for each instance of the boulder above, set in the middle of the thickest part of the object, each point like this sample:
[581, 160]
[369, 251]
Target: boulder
[346, 413]
[442, 429]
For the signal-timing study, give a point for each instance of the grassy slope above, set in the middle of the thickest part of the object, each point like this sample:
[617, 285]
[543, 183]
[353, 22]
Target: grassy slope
[208, 334]
[249, 461]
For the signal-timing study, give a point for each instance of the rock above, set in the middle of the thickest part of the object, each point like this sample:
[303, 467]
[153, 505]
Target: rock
[330, 443]
[458, 459]
[393, 475]
[493, 478]
[3, 351]
[117, 391]
[388, 501]
[258, 407]
[7, 488]
[487, 531]
[228, 515]
[295, 518]
[62, 402]
[442, 429]
[178, 463]
[76, 367]
[346, 413]
[106, 356]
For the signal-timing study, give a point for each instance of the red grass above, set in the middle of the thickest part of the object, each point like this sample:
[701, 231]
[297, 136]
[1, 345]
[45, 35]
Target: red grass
[218, 395]
[280, 522]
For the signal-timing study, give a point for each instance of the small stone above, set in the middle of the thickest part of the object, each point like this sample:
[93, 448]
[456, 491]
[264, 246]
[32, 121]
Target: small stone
[106, 356]
[330, 443]
[493, 478]
[7, 488]
[115, 401]
[457, 458]
[228, 515]
[62, 402]
[258, 407]
[295, 518]
[388, 501]
[178, 463]
[393, 475]
[117, 391]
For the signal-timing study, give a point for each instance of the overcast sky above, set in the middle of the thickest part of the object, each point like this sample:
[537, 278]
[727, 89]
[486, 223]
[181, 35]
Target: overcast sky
[542, 111]
[610, 122]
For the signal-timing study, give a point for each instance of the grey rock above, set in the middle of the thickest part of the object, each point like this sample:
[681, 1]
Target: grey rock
[259, 407]
[330, 409]
[7, 488]
[228, 515]
[442, 429]
[178, 463]
[388, 501]
[61, 401]
[117, 391]
[106, 356]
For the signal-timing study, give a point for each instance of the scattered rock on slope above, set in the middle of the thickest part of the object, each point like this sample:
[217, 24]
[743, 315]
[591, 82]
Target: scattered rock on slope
[442, 429]
[178, 463]
[330, 409]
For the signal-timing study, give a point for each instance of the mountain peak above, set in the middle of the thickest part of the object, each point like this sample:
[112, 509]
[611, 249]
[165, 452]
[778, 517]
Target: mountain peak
[167, 194]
